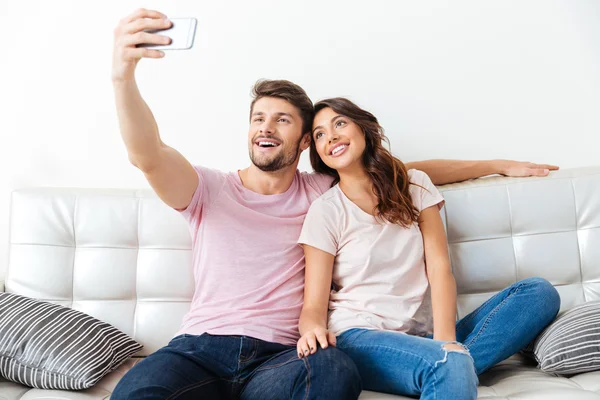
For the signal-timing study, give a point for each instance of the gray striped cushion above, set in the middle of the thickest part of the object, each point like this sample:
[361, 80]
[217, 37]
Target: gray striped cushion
[571, 344]
[48, 346]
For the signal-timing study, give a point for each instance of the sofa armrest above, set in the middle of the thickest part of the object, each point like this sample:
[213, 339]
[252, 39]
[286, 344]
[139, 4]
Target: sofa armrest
[2, 286]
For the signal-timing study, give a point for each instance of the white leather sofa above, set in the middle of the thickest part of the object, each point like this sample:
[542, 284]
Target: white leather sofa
[124, 257]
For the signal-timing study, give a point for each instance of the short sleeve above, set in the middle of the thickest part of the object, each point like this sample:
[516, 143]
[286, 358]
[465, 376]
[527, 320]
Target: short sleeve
[423, 191]
[319, 229]
[320, 182]
[210, 183]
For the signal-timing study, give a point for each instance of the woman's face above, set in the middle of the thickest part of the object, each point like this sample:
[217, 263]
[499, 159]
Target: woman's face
[339, 141]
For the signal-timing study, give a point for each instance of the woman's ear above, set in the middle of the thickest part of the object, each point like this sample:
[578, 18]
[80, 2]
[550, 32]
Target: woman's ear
[305, 142]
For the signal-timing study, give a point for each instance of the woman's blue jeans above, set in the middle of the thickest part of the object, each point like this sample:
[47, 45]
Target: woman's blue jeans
[397, 363]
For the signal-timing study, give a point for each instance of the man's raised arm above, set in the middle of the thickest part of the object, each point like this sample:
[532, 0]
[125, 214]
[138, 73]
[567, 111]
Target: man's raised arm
[449, 171]
[171, 176]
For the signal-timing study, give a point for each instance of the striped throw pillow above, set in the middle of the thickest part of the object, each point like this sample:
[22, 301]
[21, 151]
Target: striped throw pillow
[571, 344]
[48, 346]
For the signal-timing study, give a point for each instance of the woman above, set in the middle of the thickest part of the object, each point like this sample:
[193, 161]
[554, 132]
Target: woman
[378, 235]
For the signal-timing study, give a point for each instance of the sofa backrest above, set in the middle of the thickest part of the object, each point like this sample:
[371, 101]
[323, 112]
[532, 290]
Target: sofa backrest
[125, 257]
[501, 230]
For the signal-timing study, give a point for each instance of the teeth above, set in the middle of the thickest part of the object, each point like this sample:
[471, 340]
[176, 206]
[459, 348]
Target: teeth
[266, 144]
[338, 149]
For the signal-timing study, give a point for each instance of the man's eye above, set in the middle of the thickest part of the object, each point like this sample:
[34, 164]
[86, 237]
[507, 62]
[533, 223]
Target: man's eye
[258, 120]
[283, 120]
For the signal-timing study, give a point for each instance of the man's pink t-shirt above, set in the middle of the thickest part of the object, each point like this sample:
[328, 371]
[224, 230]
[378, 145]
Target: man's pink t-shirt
[248, 267]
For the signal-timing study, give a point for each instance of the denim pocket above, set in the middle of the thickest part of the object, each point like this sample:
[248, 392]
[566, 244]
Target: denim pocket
[182, 336]
[346, 338]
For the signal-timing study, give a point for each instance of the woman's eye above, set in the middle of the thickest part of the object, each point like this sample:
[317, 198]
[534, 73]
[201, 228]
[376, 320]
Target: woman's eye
[318, 135]
[340, 123]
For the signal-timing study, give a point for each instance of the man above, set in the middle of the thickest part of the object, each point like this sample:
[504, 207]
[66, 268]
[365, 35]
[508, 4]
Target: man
[238, 338]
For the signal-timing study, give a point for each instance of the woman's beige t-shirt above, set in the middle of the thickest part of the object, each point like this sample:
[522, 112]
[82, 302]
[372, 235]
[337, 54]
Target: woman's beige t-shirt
[379, 275]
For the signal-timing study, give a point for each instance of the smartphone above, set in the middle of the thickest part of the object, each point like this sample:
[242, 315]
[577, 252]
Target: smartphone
[181, 32]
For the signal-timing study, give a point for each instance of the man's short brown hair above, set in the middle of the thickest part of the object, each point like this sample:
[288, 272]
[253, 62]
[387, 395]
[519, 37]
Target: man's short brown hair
[289, 92]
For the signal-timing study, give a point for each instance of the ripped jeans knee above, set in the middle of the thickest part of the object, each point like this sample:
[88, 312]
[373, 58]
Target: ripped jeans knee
[455, 372]
[446, 350]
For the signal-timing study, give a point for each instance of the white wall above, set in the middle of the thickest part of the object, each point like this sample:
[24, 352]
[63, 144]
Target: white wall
[506, 79]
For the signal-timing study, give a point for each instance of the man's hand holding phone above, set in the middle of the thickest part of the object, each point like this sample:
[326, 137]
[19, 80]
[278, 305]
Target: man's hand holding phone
[129, 33]
[144, 34]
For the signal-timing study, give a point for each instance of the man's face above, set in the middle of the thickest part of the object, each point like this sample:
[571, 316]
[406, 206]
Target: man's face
[275, 138]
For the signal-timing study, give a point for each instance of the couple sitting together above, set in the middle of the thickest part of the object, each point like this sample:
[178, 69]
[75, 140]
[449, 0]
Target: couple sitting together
[317, 285]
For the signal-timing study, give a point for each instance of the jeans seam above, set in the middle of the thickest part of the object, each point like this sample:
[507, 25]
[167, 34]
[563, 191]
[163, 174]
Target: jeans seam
[190, 387]
[473, 315]
[431, 367]
[394, 349]
[307, 365]
[492, 314]
[273, 366]
[243, 359]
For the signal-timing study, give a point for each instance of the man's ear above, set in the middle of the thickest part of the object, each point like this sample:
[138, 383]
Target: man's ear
[305, 142]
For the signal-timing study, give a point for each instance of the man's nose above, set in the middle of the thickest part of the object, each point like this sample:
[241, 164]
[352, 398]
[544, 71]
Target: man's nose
[266, 127]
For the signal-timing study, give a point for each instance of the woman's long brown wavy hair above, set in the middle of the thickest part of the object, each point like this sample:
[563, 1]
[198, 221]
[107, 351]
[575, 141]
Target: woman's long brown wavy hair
[388, 173]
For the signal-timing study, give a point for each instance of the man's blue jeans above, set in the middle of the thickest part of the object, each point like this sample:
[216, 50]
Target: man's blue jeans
[231, 367]
[397, 363]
